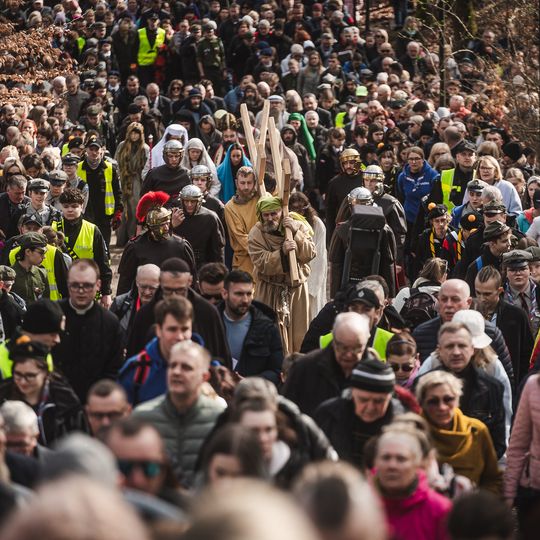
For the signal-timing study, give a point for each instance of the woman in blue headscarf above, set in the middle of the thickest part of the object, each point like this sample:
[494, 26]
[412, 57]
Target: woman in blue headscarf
[226, 172]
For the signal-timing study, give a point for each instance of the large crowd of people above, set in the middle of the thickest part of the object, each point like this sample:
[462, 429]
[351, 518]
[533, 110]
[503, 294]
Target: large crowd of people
[324, 320]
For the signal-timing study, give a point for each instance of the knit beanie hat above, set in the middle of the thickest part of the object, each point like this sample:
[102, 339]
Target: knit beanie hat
[373, 376]
[43, 317]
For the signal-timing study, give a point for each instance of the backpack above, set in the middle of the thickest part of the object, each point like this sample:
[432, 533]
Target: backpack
[419, 308]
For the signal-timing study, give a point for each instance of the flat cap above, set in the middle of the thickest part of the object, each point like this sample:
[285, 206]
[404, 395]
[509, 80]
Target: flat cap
[494, 230]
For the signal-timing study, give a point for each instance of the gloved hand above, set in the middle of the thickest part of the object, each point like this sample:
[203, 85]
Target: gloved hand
[116, 220]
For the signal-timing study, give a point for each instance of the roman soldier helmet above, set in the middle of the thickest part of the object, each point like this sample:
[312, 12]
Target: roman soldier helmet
[374, 172]
[353, 156]
[192, 193]
[173, 147]
[151, 212]
[360, 195]
[202, 172]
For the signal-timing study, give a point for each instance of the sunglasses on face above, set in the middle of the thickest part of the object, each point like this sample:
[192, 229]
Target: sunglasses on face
[150, 469]
[209, 297]
[445, 400]
[407, 368]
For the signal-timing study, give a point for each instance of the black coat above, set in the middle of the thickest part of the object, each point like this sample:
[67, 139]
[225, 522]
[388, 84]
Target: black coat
[7, 225]
[206, 322]
[11, 314]
[262, 351]
[62, 412]
[144, 250]
[514, 326]
[326, 168]
[91, 347]
[337, 419]
[313, 379]
[425, 335]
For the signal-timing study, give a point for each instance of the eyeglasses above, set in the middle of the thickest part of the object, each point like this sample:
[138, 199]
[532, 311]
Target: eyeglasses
[209, 297]
[436, 402]
[407, 368]
[342, 348]
[28, 377]
[147, 287]
[168, 291]
[40, 251]
[86, 287]
[150, 469]
[112, 415]
[414, 159]
[517, 270]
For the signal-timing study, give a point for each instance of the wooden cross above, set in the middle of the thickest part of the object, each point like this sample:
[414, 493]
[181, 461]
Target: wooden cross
[293, 265]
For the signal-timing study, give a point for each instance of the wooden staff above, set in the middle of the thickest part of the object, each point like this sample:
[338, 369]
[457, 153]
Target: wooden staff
[260, 169]
[264, 122]
[275, 150]
[293, 265]
[248, 133]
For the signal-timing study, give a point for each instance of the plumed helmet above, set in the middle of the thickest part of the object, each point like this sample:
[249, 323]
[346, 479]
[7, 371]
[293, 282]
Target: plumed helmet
[374, 172]
[157, 216]
[350, 155]
[173, 146]
[150, 210]
[360, 195]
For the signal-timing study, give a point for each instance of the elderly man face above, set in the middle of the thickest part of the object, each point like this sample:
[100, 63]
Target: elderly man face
[453, 297]
[349, 343]
[147, 282]
[271, 220]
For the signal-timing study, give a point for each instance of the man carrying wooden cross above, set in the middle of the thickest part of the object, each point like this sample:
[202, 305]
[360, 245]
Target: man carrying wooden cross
[271, 253]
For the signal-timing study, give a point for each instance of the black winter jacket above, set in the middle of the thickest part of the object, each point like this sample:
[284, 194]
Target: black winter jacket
[313, 379]
[425, 335]
[262, 351]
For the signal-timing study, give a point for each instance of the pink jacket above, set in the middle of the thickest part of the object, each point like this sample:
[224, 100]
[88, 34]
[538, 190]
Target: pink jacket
[421, 516]
[523, 455]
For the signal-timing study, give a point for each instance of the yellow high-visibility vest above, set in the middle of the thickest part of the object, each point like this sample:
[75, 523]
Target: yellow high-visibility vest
[48, 264]
[447, 180]
[109, 193]
[147, 54]
[6, 364]
[83, 247]
[382, 337]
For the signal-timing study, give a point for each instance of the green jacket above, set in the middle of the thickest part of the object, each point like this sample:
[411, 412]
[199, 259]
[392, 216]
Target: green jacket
[183, 434]
[31, 285]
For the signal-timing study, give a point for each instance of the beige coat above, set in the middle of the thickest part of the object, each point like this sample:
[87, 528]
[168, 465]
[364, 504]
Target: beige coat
[273, 282]
[240, 219]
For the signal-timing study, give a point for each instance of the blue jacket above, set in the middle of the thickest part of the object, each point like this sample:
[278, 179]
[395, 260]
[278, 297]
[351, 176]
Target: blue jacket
[155, 383]
[415, 187]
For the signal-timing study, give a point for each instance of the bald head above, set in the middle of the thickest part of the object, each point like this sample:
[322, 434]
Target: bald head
[147, 282]
[455, 295]
[351, 324]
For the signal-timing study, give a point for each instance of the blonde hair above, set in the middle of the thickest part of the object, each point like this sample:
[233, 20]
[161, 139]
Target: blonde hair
[437, 378]
[490, 160]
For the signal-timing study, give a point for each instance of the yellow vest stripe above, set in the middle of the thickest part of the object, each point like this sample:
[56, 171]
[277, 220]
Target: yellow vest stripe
[382, 337]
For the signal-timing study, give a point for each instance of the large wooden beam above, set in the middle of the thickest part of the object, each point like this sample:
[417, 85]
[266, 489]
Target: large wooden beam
[293, 264]
[260, 169]
[248, 133]
[275, 150]
[264, 122]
